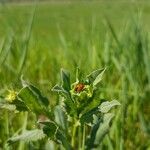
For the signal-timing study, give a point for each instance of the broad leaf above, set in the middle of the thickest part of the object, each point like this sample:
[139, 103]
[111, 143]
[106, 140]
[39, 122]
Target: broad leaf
[106, 106]
[32, 100]
[65, 77]
[103, 128]
[99, 130]
[60, 117]
[52, 130]
[27, 136]
[36, 92]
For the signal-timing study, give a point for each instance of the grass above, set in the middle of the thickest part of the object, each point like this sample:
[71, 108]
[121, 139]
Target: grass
[88, 35]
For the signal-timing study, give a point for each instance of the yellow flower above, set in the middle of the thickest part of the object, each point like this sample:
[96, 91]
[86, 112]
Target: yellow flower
[11, 96]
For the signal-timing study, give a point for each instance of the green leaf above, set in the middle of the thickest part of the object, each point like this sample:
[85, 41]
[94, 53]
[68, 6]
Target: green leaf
[58, 88]
[96, 76]
[91, 139]
[36, 92]
[88, 116]
[106, 106]
[89, 105]
[40, 97]
[32, 100]
[65, 77]
[103, 128]
[20, 105]
[60, 117]
[9, 107]
[99, 130]
[69, 103]
[52, 130]
[27, 136]
[99, 77]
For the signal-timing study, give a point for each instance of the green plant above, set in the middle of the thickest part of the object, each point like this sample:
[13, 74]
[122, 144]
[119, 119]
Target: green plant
[79, 121]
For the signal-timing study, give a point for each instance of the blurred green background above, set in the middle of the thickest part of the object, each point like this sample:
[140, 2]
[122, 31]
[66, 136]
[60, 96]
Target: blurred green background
[37, 39]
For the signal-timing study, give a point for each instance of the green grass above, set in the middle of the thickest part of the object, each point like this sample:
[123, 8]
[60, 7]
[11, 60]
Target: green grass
[89, 35]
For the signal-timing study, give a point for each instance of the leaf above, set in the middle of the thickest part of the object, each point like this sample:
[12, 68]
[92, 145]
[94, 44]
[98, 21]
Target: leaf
[96, 76]
[60, 117]
[32, 100]
[99, 130]
[40, 97]
[99, 77]
[52, 130]
[20, 105]
[27, 136]
[91, 139]
[103, 128]
[9, 107]
[69, 103]
[36, 92]
[89, 105]
[58, 88]
[88, 116]
[65, 77]
[106, 106]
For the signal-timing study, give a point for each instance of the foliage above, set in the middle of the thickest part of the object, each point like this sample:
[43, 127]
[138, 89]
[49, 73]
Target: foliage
[75, 111]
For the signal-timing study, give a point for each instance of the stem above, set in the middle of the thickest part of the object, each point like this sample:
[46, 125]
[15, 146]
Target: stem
[6, 130]
[73, 134]
[83, 138]
[6, 124]
[21, 145]
[79, 137]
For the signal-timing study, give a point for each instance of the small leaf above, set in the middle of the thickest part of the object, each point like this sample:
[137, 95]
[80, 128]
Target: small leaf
[99, 77]
[106, 106]
[65, 76]
[95, 76]
[58, 88]
[27, 136]
[50, 129]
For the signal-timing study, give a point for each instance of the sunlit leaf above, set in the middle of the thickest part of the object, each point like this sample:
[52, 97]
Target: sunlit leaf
[106, 106]
[27, 136]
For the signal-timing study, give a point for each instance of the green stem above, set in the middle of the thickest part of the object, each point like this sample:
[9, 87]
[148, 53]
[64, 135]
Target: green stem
[79, 137]
[73, 135]
[83, 138]
[21, 145]
[6, 130]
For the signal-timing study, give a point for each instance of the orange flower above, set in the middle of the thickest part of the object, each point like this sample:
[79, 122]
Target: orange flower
[79, 87]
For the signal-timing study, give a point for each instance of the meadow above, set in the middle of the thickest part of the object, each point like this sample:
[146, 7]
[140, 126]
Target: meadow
[37, 41]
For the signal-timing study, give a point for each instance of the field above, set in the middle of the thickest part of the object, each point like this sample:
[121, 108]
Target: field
[37, 40]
